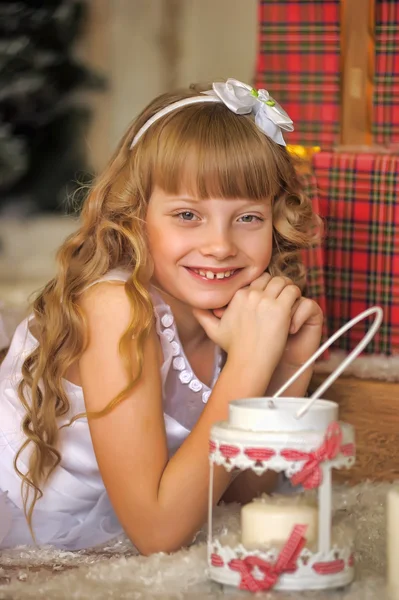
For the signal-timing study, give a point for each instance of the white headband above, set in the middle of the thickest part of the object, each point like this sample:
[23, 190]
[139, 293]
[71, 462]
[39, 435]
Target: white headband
[240, 98]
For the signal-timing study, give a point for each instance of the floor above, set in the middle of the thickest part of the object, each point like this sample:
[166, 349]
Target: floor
[114, 572]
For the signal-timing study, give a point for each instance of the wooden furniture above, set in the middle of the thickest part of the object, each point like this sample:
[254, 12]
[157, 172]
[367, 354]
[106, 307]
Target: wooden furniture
[372, 407]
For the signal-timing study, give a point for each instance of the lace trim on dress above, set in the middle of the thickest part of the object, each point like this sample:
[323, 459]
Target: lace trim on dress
[180, 363]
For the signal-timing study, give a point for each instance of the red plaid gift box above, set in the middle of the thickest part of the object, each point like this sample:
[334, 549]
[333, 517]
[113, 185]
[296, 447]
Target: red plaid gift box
[358, 198]
[386, 77]
[299, 64]
[313, 258]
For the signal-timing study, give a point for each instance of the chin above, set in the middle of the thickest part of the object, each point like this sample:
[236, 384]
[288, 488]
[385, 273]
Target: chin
[210, 303]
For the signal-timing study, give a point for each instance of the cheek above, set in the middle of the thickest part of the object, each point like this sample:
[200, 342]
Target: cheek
[157, 239]
[260, 249]
[268, 253]
[166, 247]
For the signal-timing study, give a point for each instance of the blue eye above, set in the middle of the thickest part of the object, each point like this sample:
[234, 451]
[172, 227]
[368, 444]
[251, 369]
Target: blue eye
[186, 215]
[249, 218]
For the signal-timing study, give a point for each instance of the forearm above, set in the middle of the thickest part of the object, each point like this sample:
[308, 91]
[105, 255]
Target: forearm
[185, 480]
[282, 374]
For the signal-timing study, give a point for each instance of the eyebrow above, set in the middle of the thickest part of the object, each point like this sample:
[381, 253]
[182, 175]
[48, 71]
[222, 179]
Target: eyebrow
[193, 200]
[182, 199]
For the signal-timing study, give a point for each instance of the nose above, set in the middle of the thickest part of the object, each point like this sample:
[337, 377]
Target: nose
[219, 243]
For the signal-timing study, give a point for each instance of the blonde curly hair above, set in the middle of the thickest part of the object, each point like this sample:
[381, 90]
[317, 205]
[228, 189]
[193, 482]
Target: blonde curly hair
[204, 148]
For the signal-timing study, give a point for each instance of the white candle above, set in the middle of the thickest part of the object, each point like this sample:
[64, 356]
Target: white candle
[393, 542]
[269, 520]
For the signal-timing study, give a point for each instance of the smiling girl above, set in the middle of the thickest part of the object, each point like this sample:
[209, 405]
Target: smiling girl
[180, 292]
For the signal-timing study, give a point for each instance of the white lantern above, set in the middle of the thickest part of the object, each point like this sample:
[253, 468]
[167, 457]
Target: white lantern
[289, 544]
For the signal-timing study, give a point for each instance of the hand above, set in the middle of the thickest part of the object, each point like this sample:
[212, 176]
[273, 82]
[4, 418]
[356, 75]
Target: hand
[302, 343]
[304, 334]
[254, 327]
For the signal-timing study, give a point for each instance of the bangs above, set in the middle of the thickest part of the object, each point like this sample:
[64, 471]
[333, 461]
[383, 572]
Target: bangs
[210, 152]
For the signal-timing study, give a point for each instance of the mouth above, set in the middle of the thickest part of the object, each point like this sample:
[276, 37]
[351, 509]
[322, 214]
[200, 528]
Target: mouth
[216, 275]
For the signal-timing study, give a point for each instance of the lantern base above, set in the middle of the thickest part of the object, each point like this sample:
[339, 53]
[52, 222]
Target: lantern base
[314, 570]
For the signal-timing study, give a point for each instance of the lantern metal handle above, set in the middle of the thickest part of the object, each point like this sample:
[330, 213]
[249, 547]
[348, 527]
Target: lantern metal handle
[345, 363]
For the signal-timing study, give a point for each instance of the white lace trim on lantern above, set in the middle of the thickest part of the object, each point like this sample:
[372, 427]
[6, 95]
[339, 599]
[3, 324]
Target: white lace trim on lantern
[180, 362]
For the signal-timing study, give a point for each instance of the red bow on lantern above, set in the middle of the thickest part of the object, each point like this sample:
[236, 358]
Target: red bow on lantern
[310, 476]
[286, 563]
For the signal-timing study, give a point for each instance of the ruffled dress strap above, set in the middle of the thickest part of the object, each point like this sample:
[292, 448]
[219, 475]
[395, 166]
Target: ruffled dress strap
[113, 275]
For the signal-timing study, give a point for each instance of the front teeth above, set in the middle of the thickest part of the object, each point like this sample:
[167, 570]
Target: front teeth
[211, 275]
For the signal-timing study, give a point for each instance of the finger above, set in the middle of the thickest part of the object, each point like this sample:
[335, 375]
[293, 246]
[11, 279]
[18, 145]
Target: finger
[276, 286]
[291, 297]
[296, 305]
[294, 322]
[208, 321]
[219, 312]
[261, 282]
[307, 312]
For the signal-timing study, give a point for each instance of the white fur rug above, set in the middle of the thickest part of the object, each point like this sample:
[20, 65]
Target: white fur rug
[115, 572]
[366, 366]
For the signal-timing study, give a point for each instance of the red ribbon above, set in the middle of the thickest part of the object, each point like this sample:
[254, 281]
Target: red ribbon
[311, 476]
[329, 568]
[259, 454]
[216, 560]
[228, 451]
[286, 563]
[348, 449]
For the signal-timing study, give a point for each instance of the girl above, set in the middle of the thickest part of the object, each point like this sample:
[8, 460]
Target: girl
[180, 292]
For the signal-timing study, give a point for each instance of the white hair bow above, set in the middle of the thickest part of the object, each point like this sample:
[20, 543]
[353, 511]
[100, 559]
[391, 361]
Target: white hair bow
[240, 98]
[243, 99]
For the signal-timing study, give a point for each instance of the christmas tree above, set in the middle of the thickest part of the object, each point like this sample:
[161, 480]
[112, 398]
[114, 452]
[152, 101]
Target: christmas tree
[42, 119]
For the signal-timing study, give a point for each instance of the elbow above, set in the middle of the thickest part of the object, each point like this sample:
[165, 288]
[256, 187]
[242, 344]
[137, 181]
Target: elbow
[155, 542]
[148, 548]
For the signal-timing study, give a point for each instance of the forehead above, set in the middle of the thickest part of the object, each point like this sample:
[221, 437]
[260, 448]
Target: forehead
[213, 166]
[183, 196]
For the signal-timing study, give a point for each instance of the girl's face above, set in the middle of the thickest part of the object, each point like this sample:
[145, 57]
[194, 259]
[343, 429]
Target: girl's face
[205, 250]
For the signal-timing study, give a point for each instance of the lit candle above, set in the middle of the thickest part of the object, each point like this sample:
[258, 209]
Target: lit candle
[393, 542]
[269, 520]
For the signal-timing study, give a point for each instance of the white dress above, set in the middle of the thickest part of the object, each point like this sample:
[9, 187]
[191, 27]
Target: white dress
[75, 511]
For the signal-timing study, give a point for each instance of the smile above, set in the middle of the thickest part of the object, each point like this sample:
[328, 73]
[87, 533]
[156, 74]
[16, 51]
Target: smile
[213, 274]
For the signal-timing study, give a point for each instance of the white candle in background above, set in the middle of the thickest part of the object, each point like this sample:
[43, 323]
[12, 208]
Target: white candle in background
[393, 542]
[269, 520]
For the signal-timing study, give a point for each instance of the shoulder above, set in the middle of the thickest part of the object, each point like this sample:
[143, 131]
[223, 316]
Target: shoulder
[107, 311]
[101, 294]
[106, 301]
[104, 287]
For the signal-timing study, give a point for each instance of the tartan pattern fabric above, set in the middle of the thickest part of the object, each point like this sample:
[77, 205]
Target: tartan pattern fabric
[313, 258]
[358, 198]
[386, 75]
[299, 64]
